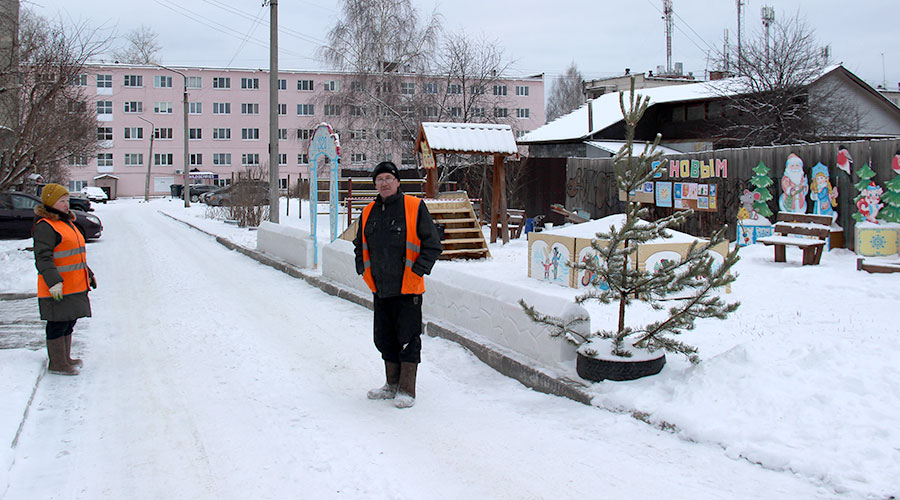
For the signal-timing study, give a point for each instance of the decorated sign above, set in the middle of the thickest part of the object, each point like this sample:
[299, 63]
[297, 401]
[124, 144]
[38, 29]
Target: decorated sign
[794, 186]
[324, 144]
[427, 155]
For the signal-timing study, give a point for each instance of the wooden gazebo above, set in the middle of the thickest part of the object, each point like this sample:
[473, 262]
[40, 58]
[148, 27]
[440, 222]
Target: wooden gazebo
[470, 138]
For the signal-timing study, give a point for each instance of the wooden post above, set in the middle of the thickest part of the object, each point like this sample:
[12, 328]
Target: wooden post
[500, 174]
[431, 184]
[495, 202]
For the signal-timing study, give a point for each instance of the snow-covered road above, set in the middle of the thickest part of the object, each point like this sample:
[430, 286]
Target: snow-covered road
[209, 375]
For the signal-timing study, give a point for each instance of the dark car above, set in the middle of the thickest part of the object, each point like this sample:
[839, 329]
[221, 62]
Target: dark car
[78, 201]
[241, 193]
[197, 190]
[17, 217]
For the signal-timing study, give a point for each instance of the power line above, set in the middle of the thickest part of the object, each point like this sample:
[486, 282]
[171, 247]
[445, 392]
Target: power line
[253, 26]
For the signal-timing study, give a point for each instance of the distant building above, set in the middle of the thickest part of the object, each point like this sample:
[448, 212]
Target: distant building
[595, 88]
[891, 95]
[228, 123]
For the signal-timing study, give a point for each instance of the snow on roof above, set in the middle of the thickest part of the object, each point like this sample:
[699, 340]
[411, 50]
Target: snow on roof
[613, 147]
[590, 229]
[474, 137]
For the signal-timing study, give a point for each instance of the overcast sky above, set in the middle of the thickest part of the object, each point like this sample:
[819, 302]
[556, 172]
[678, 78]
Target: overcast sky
[602, 38]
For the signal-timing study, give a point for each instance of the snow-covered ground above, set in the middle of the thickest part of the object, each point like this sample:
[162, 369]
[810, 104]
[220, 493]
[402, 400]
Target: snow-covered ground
[209, 375]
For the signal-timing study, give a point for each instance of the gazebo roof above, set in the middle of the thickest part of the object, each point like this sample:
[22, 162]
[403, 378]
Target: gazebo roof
[467, 138]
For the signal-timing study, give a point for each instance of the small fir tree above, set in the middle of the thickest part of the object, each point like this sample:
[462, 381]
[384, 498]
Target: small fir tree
[692, 279]
[761, 181]
[891, 199]
[865, 173]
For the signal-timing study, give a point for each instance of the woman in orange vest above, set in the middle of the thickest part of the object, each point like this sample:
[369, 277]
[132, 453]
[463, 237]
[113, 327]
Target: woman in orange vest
[63, 276]
[396, 245]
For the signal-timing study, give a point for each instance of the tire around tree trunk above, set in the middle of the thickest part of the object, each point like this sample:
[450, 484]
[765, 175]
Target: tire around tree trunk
[600, 369]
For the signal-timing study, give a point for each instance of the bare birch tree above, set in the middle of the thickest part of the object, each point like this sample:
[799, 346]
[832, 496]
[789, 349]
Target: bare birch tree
[566, 93]
[55, 119]
[141, 46]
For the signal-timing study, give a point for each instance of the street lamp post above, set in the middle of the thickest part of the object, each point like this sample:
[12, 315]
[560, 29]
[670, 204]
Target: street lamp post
[186, 187]
[149, 159]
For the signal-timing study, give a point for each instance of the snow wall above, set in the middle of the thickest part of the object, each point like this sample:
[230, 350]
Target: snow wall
[289, 244]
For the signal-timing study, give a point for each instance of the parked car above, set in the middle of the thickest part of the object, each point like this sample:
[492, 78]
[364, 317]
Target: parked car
[95, 194]
[79, 201]
[17, 217]
[249, 192]
[198, 190]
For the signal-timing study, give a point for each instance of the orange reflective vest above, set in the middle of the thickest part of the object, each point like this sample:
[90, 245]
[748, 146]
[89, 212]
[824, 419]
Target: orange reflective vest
[412, 282]
[70, 260]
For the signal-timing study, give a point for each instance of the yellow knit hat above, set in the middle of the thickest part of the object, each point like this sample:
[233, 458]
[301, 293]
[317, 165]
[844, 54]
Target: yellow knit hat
[52, 193]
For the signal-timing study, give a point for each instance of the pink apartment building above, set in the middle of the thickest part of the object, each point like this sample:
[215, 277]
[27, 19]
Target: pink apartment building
[228, 123]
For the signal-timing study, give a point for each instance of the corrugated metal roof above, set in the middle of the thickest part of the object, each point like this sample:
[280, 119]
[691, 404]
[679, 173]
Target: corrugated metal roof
[485, 138]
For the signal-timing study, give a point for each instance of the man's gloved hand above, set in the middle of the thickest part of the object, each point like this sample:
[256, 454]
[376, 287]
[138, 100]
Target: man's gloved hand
[56, 291]
[93, 282]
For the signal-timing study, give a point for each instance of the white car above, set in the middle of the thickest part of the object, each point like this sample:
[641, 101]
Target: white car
[95, 194]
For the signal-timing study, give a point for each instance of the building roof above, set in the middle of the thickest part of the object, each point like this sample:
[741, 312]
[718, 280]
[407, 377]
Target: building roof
[613, 147]
[485, 138]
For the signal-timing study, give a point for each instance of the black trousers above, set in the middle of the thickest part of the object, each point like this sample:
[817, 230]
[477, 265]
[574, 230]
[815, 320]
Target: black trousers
[57, 329]
[398, 328]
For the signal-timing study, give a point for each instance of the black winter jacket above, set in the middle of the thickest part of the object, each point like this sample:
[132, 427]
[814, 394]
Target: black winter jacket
[386, 238]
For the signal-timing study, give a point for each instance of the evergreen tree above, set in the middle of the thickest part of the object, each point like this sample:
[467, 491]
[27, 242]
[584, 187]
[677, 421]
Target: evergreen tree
[891, 199]
[865, 173]
[761, 181]
[693, 278]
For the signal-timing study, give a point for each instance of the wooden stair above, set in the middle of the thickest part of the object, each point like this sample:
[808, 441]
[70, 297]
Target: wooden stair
[463, 238]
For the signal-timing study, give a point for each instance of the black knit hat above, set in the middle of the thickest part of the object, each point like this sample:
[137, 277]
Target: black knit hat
[383, 167]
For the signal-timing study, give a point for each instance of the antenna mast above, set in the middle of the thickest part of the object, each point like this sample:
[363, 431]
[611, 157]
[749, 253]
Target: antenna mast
[740, 4]
[768, 15]
[667, 15]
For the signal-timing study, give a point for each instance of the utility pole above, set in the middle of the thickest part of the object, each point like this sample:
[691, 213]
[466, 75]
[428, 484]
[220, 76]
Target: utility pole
[274, 180]
[667, 15]
[768, 15]
[149, 158]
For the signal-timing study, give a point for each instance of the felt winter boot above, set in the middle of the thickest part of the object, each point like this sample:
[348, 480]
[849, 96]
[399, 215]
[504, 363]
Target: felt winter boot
[389, 389]
[59, 363]
[77, 363]
[406, 393]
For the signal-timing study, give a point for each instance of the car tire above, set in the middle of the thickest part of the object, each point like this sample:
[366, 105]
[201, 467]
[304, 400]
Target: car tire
[195, 198]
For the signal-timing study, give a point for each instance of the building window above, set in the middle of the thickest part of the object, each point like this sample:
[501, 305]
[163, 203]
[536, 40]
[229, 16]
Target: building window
[282, 134]
[79, 80]
[356, 111]
[408, 111]
[358, 134]
[195, 134]
[499, 89]
[522, 90]
[162, 108]
[358, 158]
[195, 108]
[77, 185]
[501, 112]
[221, 82]
[456, 111]
[302, 158]
[282, 109]
[250, 159]
[304, 84]
[306, 109]
[134, 81]
[250, 134]
[249, 108]
[430, 111]
[523, 112]
[431, 88]
[104, 81]
[196, 158]
[221, 108]
[76, 106]
[163, 159]
[332, 86]
[162, 82]
[282, 84]
[104, 133]
[408, 159]
[132, 159]
[104, 107]
[478, 112]
[407, 88]
[454, 89]
[305, 134]
[134, 107]
[221, 134]
[250, 83]
[221, 158]
[134, 133]
[476, 89]
[78, 160]
[332, 110]
[384, 135]
[162, 133]
[195, 82]
[282, 158]
[104, 159]
[356, 86]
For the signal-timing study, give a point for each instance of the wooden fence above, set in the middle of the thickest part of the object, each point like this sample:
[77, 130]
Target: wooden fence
[590, 182]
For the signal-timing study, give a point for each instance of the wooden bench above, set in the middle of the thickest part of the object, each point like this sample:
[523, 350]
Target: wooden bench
[515, 222]
[788, 224]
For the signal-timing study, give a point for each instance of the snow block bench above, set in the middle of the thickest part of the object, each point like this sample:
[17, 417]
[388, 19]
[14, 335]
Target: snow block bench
[289, 244]
[806, 231]
[484, 310]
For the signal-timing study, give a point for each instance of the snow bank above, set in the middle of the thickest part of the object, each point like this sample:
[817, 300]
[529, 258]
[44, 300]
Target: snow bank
[290, 244]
